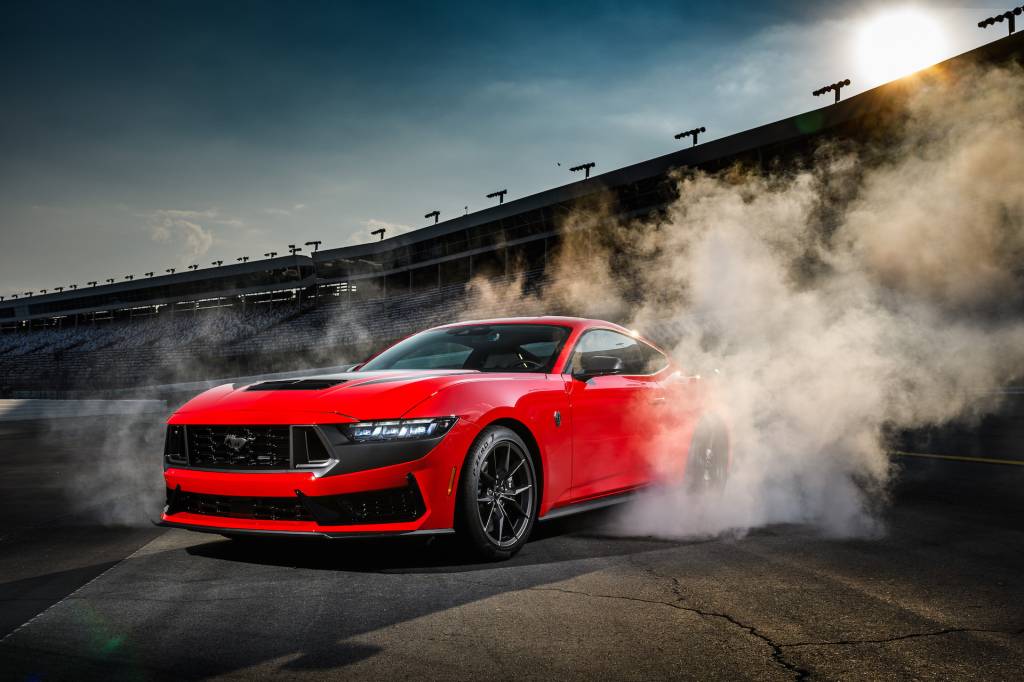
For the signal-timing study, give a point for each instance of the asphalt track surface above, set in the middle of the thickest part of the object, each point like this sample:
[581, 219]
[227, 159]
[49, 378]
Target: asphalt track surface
[939, 597]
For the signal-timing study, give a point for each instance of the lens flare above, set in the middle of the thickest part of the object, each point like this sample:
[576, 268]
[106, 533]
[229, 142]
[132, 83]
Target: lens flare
[898, 42]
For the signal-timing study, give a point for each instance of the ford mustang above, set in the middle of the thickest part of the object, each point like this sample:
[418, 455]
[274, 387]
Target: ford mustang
[480, 428]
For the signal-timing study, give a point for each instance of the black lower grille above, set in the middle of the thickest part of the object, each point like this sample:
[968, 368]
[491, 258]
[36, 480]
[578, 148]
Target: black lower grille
[239, 447]
[393, 505]
[265, 508]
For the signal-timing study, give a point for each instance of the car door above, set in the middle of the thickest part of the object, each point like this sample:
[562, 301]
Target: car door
[607, 450]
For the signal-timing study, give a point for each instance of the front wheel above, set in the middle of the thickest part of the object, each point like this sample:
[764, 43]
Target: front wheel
[498, 495]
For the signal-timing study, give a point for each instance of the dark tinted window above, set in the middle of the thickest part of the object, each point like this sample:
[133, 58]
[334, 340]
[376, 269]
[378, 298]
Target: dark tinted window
[637, 357]
[488, 348]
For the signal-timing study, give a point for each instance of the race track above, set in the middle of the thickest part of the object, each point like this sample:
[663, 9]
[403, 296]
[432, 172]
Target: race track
[939, 597]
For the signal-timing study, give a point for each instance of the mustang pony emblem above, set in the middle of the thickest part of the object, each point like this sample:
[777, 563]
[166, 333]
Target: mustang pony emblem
[236, 443]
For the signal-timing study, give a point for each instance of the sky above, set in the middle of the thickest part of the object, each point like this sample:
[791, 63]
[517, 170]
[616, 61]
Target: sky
[137, 137]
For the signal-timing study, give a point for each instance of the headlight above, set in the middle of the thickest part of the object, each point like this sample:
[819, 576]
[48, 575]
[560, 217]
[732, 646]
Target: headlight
[398, 429]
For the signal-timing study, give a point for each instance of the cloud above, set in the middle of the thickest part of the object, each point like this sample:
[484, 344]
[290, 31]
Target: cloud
[390, 230]
[183, 229]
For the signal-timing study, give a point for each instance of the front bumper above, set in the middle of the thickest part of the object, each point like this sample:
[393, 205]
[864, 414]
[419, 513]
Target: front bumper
[414, 497]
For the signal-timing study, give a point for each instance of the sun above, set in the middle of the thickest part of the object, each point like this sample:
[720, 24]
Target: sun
[898, 42]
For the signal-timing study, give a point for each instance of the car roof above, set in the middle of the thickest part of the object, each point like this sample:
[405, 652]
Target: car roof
[555, 320]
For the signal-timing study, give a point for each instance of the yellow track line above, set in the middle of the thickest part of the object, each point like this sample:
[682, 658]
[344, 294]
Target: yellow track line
[956, 458]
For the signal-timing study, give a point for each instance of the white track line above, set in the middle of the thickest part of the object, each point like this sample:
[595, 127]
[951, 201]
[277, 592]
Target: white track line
[77, 590]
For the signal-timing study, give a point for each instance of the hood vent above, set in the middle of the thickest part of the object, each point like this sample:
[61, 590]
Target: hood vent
[296, 385]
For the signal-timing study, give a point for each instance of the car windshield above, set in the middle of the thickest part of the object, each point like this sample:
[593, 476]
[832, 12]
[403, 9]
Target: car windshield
[487, 348]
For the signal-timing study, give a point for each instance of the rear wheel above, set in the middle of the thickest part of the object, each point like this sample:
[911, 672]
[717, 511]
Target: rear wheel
[497, 494]
[707, 467]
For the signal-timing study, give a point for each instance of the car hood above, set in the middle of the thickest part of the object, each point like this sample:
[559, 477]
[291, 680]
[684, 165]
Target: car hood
[356, 396]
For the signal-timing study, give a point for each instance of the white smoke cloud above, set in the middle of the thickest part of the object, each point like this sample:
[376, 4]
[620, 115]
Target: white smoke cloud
[873, 288]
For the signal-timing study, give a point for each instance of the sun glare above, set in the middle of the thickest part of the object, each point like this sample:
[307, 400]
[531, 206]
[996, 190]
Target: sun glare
[898, 42]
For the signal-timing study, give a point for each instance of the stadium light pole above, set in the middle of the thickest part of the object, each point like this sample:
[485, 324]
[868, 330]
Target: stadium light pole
[379, 231]
[691, 133]
[92, 283]
[585, 167]
[294, 249]
[217, 263]
[315, 244]
[500, 194]
[59, 290]
[1008, 16]
[270, 254]
[435, 214]
[242, 259]
[835, 87]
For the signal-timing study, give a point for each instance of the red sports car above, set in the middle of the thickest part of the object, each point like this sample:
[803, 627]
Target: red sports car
[481, 428]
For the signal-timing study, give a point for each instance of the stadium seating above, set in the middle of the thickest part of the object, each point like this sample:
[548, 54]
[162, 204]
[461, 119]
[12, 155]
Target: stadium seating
[229, 341]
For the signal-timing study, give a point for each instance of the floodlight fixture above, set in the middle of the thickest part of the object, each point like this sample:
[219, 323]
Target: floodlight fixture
[59, 289]
[169, 271]
[585, 167]
[835, 87]
[691, 133]
[1009, 16]
[435, 214]
[217, 263]
[92, 283]
[270, 254]
[294, 249]
[242, 259]
[500, 194]
[14, 296]
[379, 231]
[29, 293]
[73, 286]
[43, 291]
[194, 266]
[315, 244]
[129, 277]
[148, 274]
[110, 280]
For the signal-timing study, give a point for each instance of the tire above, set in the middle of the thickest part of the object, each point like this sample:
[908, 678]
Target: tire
[707, 465]
[498, 495]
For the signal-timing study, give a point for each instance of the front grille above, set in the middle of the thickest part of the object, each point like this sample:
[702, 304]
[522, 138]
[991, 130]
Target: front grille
[239, 447]
[264, 508]
[394, 505]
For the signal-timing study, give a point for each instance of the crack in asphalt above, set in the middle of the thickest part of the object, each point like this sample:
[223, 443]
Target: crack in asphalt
[911, 635]
[778, 656]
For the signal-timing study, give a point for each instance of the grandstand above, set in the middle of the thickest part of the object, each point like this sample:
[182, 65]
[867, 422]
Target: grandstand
[338, 305]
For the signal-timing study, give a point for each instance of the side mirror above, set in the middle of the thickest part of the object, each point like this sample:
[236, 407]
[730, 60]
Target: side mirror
[599, 365]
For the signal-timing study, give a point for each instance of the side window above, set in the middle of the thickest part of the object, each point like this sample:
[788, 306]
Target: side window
[637, 357]
[653, 359]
